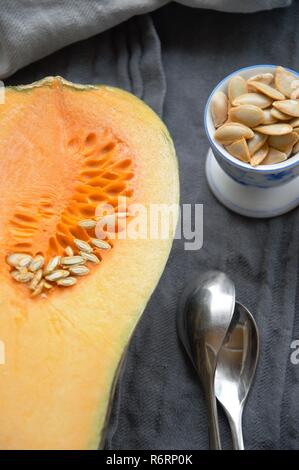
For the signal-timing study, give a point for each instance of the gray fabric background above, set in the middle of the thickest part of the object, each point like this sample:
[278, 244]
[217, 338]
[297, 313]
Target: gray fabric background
[31, 29]
[159, 404]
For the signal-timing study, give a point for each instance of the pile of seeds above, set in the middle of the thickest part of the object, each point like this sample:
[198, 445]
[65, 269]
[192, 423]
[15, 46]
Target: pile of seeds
[61, 271]
[258, 120]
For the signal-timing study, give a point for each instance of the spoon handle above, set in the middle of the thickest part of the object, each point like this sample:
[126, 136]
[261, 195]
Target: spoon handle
[237, 433]
[214, 436]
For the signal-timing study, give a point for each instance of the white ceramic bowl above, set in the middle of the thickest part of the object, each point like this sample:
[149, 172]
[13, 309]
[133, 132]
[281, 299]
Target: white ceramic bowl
[262, 177]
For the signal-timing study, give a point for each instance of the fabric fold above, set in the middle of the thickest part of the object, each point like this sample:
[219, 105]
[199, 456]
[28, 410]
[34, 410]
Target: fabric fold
[31, 30]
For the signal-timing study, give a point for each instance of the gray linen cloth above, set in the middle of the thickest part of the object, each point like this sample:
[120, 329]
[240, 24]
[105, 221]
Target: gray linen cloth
[159, 404]
[31, 29]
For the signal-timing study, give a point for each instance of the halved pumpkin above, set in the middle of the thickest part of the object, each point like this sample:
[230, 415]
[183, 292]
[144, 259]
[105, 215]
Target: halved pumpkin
[65, 150]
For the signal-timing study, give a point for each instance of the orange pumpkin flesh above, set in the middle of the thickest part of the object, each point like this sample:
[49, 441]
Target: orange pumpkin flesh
[65, 149]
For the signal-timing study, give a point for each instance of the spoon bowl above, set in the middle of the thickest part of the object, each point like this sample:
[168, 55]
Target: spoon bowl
[236, 365]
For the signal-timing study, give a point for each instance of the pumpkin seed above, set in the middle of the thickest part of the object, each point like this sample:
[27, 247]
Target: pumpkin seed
[100, 244]
[283, 81]
[36, 279]
[295, 89]
[246, 114]
[87, 224]
[279, 115]
[266, 78]
[219, 108]
[294, 122]
[22, 270]
[282, 142]
[36, 263]
[70, 260]
[23, 278]
[47, 285]
[25, 261]
[274, 156]
[14, 259]
[268, 117]
[79, 270]
[288, 150]
[52, 264]
[236, 86]
[90, 257]
[38, 289]
[232, 131]
[295, 94]
[275, 129]
[239, 150]
[267, 90]
[296, 148]
[56, 275]
[82, 245]
[256, 99]
[69, 281]
[256, 142]
[290, 107]
[260, 155]
[69, 251]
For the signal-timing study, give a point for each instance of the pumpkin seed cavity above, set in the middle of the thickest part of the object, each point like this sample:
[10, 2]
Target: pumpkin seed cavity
[257, 119]
[50, 248]
[58, 270]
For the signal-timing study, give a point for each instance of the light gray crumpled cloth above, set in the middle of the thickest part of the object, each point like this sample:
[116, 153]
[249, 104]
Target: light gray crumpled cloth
[30, 30]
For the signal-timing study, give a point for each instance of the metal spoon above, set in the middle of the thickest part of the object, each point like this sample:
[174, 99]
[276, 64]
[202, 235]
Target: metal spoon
[236, 367]
[204, 316]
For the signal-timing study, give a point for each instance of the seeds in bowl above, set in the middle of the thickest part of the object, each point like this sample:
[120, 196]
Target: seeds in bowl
[257, 121]
[219, 108]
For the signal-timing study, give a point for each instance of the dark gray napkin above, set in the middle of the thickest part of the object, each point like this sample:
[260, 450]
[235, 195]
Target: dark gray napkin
[159, 404]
